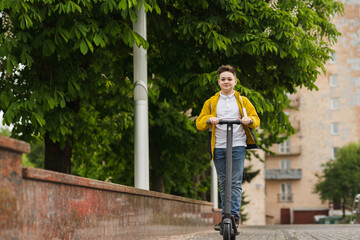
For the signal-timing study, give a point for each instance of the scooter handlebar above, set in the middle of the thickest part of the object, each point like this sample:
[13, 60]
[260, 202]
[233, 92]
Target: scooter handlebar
[229, 121]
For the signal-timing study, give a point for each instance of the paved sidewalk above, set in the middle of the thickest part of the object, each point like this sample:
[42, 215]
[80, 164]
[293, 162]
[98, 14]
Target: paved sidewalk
[285, 232]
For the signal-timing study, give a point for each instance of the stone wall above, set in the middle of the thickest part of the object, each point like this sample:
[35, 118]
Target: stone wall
[41, 204]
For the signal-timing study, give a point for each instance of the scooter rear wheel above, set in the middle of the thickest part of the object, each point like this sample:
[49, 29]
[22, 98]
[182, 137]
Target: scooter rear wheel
[227, 232]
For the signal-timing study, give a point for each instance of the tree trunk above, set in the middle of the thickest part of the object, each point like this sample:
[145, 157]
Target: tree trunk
[158, 183]
[57, 159]
[157, 177]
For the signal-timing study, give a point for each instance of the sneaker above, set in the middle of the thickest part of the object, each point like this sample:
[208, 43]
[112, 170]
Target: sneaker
[236, 220]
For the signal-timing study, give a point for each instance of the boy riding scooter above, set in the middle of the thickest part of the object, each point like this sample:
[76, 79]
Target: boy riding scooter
[229, 105]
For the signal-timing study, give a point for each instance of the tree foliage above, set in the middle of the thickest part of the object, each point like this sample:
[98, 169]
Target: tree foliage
[74, 85]
[340, 180]
[276, 46]
[64, 70]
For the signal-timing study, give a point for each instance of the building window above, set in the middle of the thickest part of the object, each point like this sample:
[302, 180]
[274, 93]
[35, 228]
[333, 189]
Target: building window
[284, 147]
[285, 192]
[333, 58]
[333, 80]
[285, 164]
[334, 103]
[334, 150]
[335, 128]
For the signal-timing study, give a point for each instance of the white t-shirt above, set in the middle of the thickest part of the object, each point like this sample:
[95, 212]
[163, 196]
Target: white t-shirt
[228, 109]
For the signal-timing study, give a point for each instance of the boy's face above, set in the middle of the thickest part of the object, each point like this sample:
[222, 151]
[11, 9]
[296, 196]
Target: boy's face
[227, 82]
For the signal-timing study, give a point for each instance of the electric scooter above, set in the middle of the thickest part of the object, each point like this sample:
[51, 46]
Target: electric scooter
[229, 227]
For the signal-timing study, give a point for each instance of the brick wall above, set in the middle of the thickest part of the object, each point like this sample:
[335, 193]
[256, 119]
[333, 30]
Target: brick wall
[41, 204]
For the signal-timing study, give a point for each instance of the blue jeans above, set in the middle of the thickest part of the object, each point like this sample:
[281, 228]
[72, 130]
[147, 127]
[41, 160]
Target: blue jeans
[238, 159]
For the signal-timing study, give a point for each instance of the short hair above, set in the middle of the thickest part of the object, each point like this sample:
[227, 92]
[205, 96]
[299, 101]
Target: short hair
[226, 68]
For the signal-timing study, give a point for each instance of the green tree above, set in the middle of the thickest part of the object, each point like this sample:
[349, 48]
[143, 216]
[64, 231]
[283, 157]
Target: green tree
[340, 180]
[76, 92]
[64, 65]
[276, 47]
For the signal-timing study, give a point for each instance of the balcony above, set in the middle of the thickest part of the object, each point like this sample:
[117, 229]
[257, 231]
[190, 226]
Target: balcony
[283, 174]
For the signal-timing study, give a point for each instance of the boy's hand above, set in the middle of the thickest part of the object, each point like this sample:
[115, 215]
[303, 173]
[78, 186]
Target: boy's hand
[245, 121]
[214, 120]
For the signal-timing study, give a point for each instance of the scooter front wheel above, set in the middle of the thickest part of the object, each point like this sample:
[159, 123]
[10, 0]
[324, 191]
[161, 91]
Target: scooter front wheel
[227, 232]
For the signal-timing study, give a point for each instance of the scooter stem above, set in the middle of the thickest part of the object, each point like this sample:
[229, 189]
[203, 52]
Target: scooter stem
[228, 176]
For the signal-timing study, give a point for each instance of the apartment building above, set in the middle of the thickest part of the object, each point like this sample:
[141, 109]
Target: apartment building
[325, 120]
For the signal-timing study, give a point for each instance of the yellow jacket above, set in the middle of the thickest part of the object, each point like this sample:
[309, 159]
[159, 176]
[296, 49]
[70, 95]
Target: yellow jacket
[209, 110]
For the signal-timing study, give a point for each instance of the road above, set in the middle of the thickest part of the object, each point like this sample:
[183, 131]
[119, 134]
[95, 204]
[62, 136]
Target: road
[284, 232]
